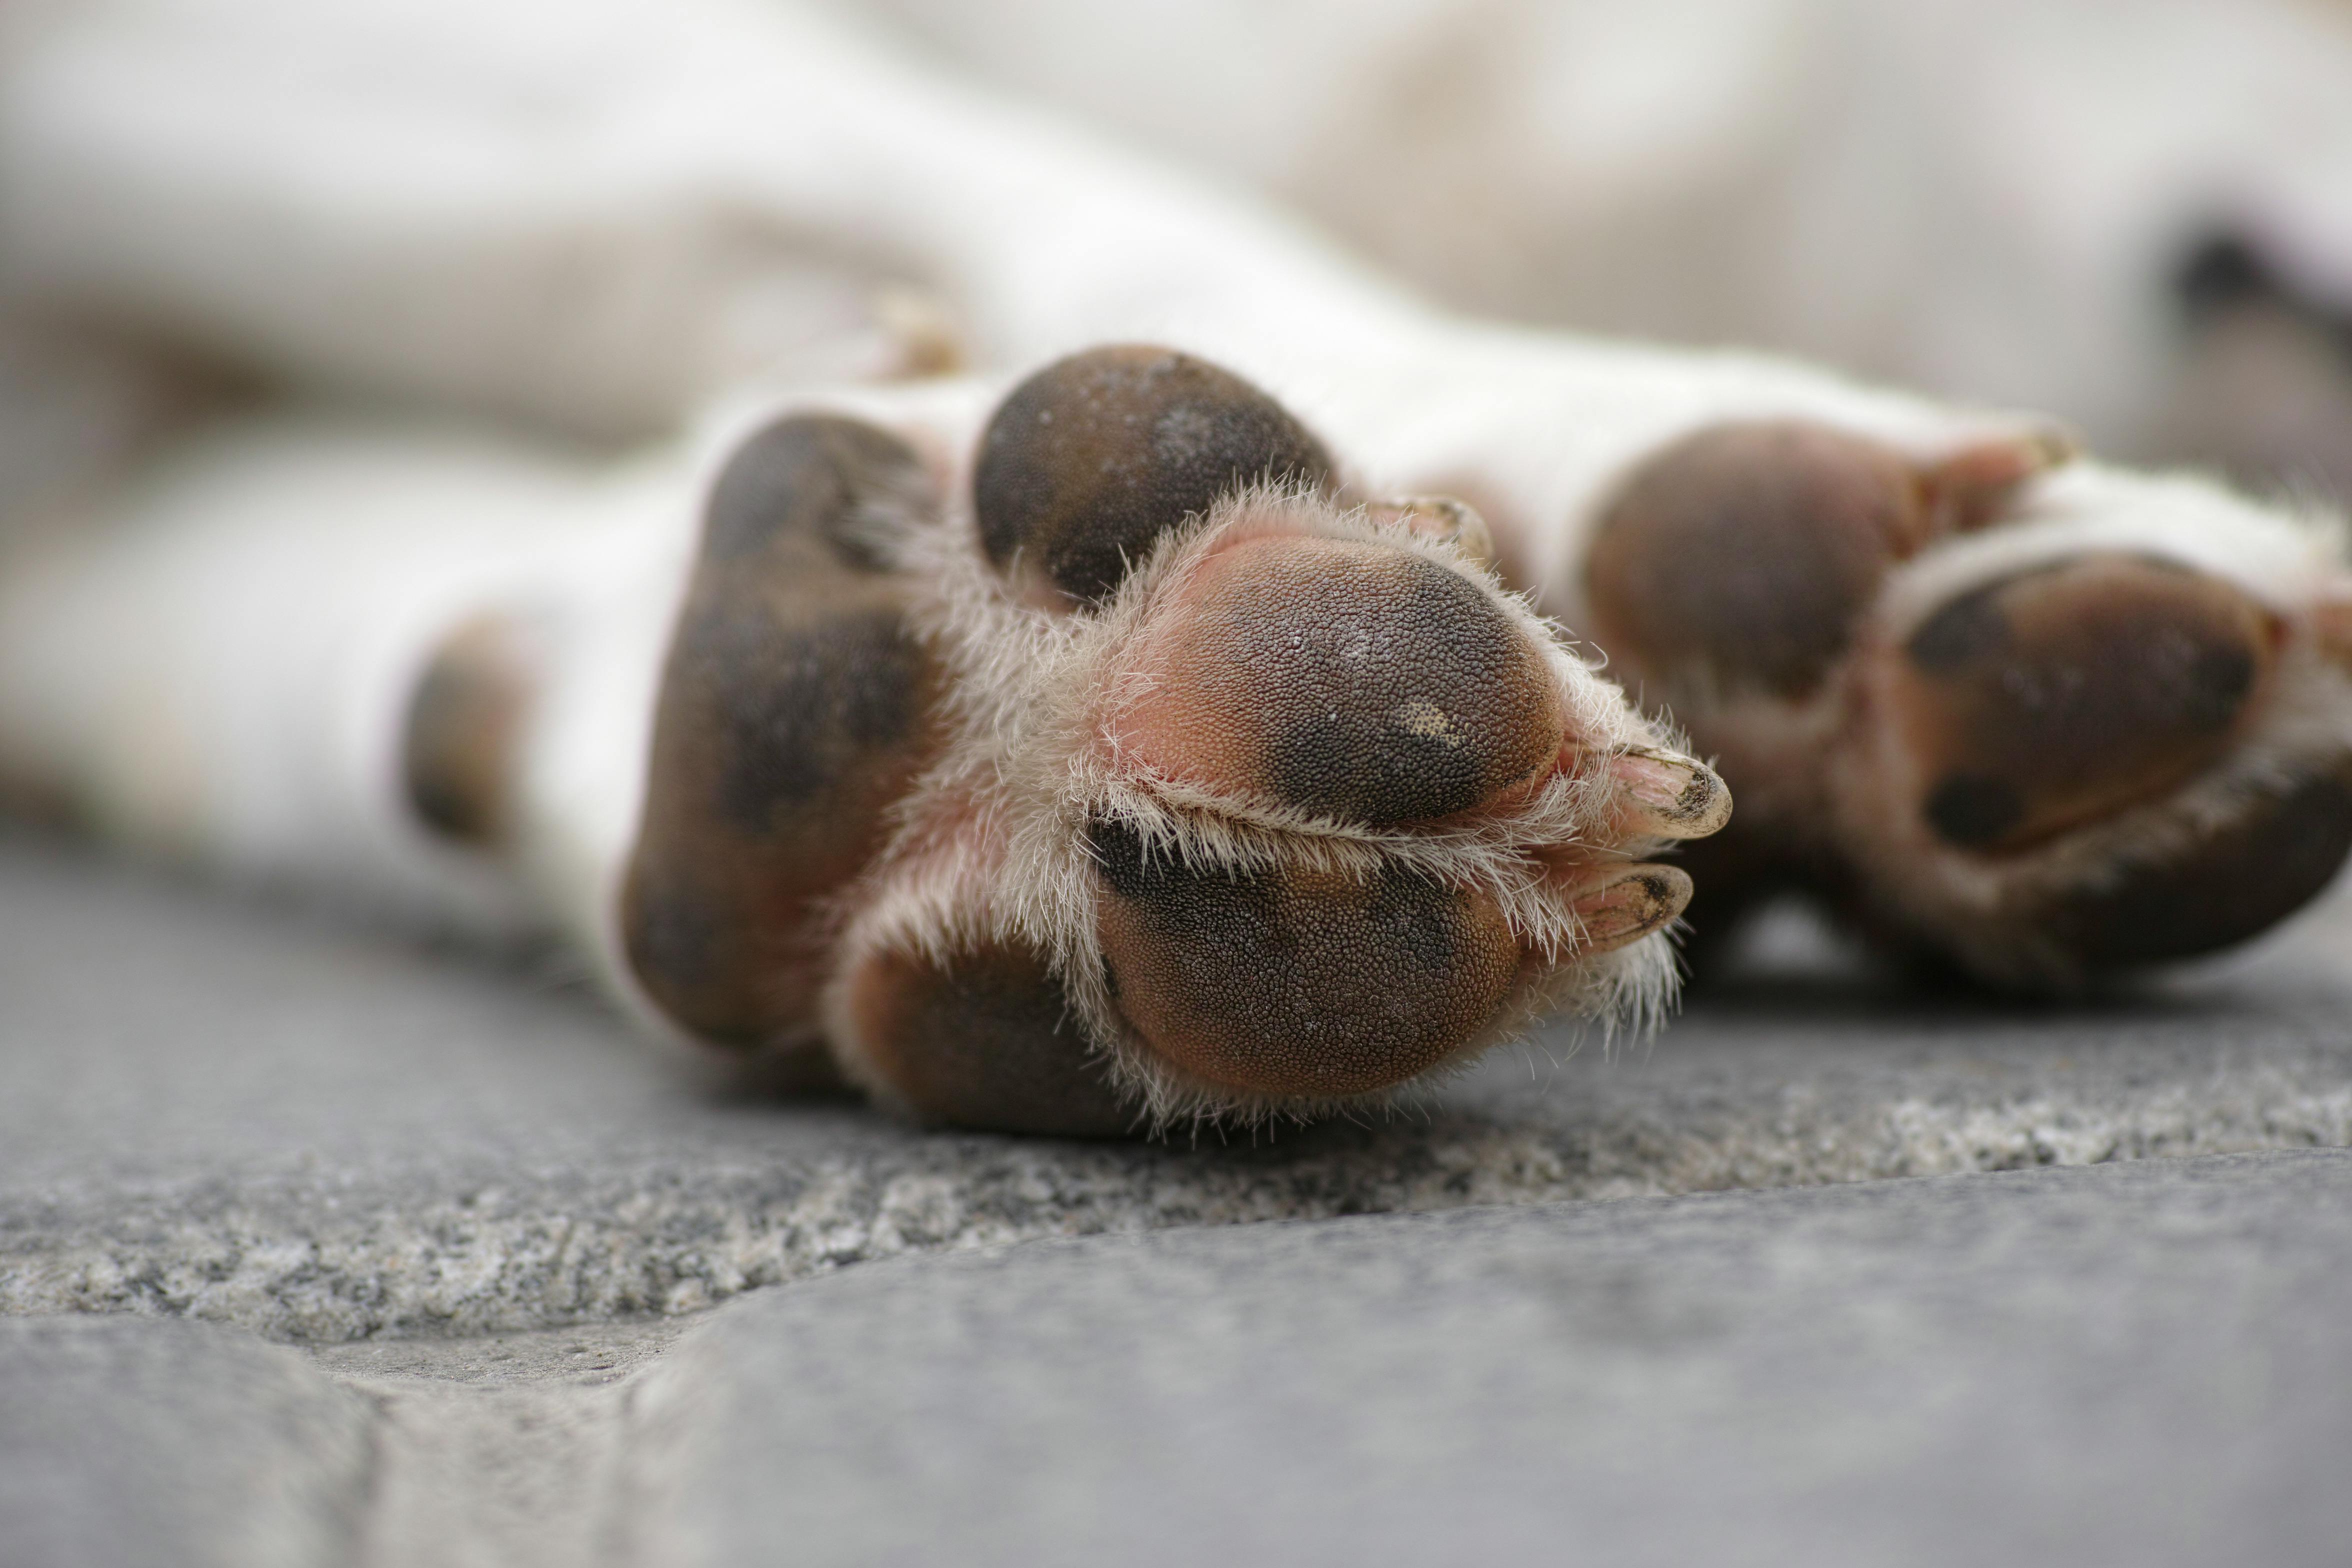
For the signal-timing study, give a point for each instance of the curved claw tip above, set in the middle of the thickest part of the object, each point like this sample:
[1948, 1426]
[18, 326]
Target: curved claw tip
[1672, 796]
[1637, 900]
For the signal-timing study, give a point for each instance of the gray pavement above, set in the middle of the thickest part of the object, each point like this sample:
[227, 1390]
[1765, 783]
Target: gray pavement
[546, 1295]
[2129, 1365]
[126, 1442]
[226, 1111]
[2141, 1364]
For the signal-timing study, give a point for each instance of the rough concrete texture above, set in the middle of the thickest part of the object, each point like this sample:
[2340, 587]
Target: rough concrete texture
[2142, 1363]
[224, 1110]
[504, 1452]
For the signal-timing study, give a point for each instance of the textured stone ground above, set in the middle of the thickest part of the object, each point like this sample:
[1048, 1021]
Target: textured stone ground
[227, 1112]
[497, 1240]
[2138, 1362]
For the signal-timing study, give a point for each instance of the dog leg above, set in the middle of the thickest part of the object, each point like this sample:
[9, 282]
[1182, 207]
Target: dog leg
[298, 650]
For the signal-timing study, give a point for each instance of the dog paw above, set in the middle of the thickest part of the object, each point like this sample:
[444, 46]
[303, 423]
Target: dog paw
[2046, 719]
[1102, 760]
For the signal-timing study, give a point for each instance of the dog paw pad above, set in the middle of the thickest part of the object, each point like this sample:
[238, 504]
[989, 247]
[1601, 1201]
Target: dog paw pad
[1088, 462]
[982, 1039]
[2074, 690]
[458, 739]
[1350, 681]
[1741, 557]
[1291, 982]
[2231, 885]
[795, 705]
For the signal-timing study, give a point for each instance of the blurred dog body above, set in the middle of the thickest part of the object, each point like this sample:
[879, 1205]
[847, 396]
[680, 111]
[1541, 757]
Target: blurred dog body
[2131, 215]
[2135, 214]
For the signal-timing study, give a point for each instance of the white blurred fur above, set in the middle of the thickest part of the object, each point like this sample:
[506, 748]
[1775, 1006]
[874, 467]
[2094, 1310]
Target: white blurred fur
[1983, 198]
[603, 212]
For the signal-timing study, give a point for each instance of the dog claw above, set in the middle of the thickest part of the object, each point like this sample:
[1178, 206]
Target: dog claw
[1670, 795]
[1631, 903]
[1974, 486]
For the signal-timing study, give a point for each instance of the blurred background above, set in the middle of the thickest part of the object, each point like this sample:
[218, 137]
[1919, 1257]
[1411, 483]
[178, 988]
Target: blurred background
[2136, 214]
[2133, 214]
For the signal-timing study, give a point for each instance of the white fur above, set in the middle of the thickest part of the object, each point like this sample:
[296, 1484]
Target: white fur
[1984, 198]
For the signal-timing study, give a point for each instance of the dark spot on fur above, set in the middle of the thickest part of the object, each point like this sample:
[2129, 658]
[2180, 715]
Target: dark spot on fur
[2220, 272]
[987, 1041]
[1294, 983]
[2226, 273]
[2233, 886]
[1089, 461]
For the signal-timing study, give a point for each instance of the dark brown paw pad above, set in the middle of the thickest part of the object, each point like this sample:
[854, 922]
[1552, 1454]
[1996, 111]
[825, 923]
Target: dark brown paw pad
[985, 1039]
[1293, 983]
[813, 491]
[1741, 558]
[1350, 681]
[1088, 462]
[2074, 690]
[795, 705]
[2231, 885]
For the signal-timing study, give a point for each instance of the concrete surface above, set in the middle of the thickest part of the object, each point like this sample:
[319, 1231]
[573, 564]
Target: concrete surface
[2141, 1364]
[2130, 1365]
[500, 1241]
[226, 1111]
[129, 1443]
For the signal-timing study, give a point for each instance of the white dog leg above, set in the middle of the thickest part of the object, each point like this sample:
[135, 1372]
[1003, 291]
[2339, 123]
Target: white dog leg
[220, 664]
